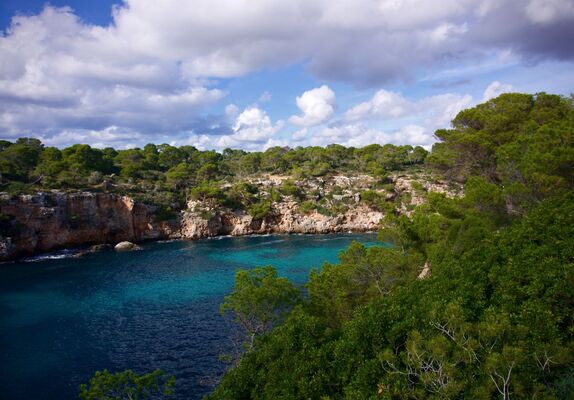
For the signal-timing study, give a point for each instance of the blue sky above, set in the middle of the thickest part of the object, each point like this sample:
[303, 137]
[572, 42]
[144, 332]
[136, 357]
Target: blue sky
[252, 74]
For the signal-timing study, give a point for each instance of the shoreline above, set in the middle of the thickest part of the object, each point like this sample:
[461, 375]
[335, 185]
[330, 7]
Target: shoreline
[82, 251]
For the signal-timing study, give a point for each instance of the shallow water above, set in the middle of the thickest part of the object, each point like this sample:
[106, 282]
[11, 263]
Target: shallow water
[61, 319]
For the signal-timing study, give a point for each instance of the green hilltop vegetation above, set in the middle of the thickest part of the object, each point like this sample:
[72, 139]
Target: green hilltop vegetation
[167, 177]
[494, 319]
[164, 173]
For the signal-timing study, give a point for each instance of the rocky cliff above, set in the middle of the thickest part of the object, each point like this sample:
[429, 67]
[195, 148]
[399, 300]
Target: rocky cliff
[284, 218]
[43, 222]
[48, 221]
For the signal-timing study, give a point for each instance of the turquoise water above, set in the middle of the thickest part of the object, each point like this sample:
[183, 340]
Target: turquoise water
[63, 319]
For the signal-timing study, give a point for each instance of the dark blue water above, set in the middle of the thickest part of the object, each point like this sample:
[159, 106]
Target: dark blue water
[63, 319]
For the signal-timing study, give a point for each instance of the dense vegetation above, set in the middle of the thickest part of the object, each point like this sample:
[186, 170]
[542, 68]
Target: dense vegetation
[127, 385]
[164, 174]
[494, 320]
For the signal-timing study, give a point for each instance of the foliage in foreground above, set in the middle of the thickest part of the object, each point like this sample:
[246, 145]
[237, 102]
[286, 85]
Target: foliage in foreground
[127, 385]
[494, 321]
[259, 301]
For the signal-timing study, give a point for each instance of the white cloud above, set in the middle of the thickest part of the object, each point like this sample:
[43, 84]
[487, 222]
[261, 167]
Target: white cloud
[254, 125]
[299, 135]
[58, 75]
[548, 11]
[383, 105]
[316, 106]
[495, 89]
[153, 71]
[200, 142]
[359, 135]
[252, 130]
[437, 111]
[441, 109]
[120, 138]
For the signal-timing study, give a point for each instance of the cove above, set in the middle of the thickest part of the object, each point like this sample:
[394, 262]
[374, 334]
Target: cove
[63, 319]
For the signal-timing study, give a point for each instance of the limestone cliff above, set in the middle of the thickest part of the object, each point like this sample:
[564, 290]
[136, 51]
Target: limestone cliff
[48, 221]
[284, 218]
[43, 222]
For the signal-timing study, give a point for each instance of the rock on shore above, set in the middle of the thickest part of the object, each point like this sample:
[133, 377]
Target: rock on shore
[126, 246]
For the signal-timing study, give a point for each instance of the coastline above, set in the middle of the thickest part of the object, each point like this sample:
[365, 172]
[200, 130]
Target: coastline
[81, 251]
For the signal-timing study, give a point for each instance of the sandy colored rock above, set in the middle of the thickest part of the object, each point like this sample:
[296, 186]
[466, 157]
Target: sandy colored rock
[425, 272]
[55, 220]
[284, 218]
[126, 246]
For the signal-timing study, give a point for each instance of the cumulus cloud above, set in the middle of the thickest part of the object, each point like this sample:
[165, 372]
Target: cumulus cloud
[110, 136]
[383, 105]
[299, 135]
[231, 39]
[429, 113]
[153, 70]
[440, 109]
[437, 111]
[60, 77]
[254, 125]
[252, 130]
[494, 89]
[359, 135]
[316, 106]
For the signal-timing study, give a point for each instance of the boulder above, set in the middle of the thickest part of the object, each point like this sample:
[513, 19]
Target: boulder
[126, 246]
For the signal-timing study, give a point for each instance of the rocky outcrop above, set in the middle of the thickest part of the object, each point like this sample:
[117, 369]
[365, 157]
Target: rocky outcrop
[425, 272]
[284, 218]
[417, 188]
[48, 221]
[31, 224]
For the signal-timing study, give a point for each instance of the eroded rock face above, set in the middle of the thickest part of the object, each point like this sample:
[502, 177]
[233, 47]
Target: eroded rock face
[284, 218]
[48, 221]
[31, 224]
[417, 189]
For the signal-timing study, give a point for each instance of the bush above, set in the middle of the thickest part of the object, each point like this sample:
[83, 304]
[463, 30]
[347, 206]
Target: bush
[165, 213]
[307, 207]
[373, 199]
[289, 188]
[259, 210]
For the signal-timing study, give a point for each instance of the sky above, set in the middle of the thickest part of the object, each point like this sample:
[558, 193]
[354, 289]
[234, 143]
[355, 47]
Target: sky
[252, 74]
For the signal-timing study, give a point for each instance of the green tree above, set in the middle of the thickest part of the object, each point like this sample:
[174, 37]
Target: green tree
[127, 385]
[180, 176]
[259, 301]
[169, 156]
[19, 159]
